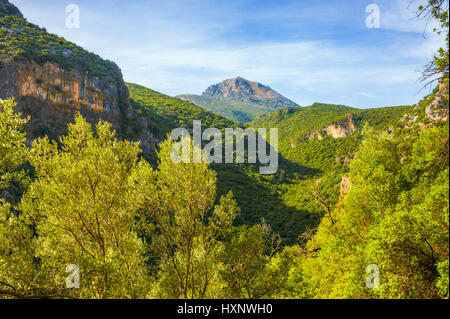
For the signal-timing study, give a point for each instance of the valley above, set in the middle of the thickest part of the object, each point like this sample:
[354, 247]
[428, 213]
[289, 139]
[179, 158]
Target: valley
[86, 177]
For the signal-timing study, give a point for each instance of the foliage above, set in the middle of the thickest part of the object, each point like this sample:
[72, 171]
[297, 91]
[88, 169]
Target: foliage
[15, 236]
[13, 151]
[251, 270]
[165, 113]
[184, 226]
[301, 131]
[395, 216]
[376, 195]
[83, 206]
[21, 40]
[437, 11]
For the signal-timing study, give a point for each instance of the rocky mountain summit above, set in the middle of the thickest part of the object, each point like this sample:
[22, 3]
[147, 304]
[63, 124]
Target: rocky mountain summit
[241, 89]
[239, 99]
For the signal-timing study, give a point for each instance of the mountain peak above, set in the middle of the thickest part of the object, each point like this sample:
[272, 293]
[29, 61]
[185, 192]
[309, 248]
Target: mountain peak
[240, 89]
[8, 9]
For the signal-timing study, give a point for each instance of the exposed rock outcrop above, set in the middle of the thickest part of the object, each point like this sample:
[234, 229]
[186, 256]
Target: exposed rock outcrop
[240, 89]
[437, 110]
[346, 184]
[49, 82]
[240, 100]
[431, 110]
[53, 89]
[341, 129]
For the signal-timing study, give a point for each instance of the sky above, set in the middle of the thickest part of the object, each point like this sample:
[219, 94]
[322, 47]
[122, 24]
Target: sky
[307, 50]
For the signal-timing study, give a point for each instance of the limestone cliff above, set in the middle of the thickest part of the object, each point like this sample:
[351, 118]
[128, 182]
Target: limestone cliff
[433, 109]
[341, 129]
[51, 80]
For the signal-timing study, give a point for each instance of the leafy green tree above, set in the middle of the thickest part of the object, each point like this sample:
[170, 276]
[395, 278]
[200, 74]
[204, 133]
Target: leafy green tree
[13, 151]
[253, 266]
[437, 10]
[20, 273]
[413, 236]
[185, 226]
[83, 205]
[394, 216]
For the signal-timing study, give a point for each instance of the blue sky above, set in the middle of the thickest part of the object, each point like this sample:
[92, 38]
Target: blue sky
[308, 50]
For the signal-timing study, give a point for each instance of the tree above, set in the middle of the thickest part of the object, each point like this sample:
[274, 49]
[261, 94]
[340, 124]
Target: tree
[324, 192]
[394, 216]
[20, 273]
[253, 266]
[185, 227]
[83, 205]
[13, 151]
[437, 10]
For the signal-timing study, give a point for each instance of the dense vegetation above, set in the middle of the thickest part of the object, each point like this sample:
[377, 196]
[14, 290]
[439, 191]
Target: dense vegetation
[166, 113]
[137, 232]
[257, 196]
[301, 136]
[21, 40]
[132, 231]
[394, 215]
[274, 198]
[365, 215]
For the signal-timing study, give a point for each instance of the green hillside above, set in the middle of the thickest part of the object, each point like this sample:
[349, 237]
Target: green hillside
[258, 196]
[166, 113]
[21, 40]
[292, 209]
[297, 127]
[280, 199]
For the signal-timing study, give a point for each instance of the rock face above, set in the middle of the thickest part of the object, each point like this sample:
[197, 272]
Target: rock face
[433, 109]
[342, 129]
[53, 92]
[437, 110]
[336, 130]
[49, 82]
[241, 89]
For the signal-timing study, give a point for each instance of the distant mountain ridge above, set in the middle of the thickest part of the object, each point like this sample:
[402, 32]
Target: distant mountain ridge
[244, 90]
[239, 99]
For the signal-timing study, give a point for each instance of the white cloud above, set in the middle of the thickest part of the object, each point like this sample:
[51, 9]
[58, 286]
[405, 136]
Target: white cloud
[291, 68]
